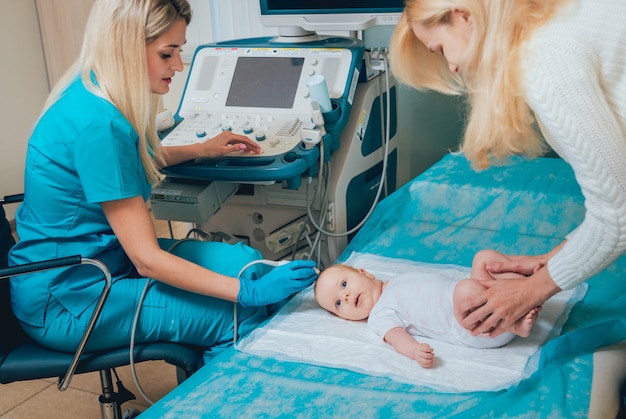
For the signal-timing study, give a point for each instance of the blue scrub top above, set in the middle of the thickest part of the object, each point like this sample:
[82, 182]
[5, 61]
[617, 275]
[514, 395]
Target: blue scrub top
[82, 152]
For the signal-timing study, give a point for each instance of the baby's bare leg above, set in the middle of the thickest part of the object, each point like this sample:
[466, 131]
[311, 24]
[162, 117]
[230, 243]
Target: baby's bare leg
[482, 258]
[468, 287]
[463, 290]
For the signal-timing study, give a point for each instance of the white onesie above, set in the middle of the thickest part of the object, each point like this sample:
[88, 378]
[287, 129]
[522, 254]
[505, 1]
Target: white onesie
[422, 304]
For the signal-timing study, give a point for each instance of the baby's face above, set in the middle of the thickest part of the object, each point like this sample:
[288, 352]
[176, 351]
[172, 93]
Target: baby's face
[349, 293]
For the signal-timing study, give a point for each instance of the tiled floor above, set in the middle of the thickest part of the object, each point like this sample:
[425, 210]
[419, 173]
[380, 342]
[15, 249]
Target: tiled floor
[42, 399]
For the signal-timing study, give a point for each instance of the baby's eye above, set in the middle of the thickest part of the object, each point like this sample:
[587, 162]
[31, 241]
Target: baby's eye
[343, 284]
[337, 303]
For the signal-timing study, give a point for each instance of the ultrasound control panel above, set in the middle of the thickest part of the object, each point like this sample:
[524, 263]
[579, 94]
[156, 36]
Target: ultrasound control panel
[275, 134]
[258, 88]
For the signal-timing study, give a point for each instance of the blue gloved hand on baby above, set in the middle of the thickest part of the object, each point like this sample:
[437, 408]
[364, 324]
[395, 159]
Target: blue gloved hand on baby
[278, 284]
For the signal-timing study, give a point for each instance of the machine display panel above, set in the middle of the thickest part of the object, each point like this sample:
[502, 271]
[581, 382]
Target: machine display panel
[265, 82]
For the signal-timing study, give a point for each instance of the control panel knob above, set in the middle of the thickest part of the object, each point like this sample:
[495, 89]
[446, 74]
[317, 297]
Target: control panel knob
[260, 136]
[248, 130]
[201, 133]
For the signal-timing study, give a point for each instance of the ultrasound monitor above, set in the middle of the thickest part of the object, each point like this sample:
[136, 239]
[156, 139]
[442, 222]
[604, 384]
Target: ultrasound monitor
[265, 82]
[303, 17]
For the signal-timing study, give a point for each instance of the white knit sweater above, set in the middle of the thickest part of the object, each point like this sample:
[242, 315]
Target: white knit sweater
[575, 82]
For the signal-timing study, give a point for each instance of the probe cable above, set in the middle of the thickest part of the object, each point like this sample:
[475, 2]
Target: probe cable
[134, 328]
[386, 140]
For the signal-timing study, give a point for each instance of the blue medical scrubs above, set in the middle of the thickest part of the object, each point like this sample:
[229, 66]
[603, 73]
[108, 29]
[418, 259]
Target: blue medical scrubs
[83, 152]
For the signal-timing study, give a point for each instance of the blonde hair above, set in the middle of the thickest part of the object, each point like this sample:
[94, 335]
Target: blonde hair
[500, 122]
[114, 52]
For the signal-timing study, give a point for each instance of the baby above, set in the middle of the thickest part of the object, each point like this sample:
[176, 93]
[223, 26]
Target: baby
[414, 303]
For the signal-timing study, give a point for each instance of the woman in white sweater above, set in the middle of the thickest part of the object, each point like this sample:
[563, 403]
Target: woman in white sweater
[555, 65]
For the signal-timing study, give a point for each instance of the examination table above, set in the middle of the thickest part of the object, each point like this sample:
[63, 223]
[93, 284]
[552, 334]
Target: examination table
[444, 216]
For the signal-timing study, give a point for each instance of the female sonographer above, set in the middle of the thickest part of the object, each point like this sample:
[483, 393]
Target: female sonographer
[91, 162]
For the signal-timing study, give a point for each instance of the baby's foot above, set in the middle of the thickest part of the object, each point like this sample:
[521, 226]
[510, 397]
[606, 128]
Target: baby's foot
[523, 326]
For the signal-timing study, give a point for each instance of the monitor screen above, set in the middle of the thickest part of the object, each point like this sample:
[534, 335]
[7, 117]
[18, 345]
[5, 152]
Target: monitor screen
[265, 82]
[334, 15]
[331, 6]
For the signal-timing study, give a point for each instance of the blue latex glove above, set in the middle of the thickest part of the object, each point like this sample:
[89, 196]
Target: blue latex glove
[278, 284]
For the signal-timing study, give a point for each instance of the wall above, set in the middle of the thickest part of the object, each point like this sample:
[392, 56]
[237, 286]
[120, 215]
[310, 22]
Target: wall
[431, 123]
[23, 89]
[62, 26]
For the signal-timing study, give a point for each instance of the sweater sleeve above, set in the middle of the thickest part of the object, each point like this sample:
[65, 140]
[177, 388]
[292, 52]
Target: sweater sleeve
[581, 115]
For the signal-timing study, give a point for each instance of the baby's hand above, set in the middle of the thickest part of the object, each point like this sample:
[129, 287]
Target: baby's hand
[424, 355]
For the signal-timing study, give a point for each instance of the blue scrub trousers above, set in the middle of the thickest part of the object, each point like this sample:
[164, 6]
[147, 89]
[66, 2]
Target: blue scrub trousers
[167, 314]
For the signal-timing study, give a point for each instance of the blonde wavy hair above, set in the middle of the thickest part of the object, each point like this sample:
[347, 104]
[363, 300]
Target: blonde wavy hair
[499, 123]
[114, 51]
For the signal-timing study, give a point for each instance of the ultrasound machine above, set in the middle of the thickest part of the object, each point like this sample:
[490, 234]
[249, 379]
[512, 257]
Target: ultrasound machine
[323, 110]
